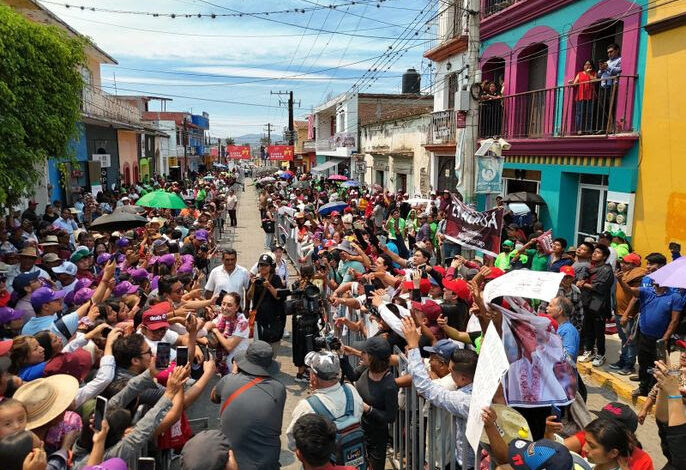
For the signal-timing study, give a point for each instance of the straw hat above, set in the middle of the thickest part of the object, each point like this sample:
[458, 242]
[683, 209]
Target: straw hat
[47, 398]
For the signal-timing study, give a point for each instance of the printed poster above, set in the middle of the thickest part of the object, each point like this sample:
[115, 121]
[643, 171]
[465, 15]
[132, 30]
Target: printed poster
[473, 229]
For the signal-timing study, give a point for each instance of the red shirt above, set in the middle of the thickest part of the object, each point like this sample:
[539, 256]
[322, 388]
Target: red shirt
[639, 459]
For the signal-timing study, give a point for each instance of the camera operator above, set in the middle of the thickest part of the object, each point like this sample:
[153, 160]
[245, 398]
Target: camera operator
[267, 301]
[306, 308]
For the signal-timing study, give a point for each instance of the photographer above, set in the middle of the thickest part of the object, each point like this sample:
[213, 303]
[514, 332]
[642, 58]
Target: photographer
[267, 303]
[306, 308]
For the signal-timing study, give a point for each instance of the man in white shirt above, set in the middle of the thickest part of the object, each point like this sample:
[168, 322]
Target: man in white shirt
[229, 277]
[231, 206]
[325, 371]
[155, 329]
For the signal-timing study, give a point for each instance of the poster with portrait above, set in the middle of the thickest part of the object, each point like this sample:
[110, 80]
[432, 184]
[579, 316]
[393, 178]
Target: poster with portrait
[489, 175]
[540, 371]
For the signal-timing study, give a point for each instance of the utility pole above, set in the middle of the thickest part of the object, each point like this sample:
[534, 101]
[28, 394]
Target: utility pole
[289, 103]
[471, 132]
[269, 127]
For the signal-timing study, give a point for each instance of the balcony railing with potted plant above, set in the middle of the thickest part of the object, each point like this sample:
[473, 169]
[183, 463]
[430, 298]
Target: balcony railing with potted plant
[601, 107]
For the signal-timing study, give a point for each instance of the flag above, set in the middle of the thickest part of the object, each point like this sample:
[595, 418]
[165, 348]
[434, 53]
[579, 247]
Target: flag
[546, 241]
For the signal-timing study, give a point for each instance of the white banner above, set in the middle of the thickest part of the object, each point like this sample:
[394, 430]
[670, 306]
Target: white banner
[490, 369]
[540, 285]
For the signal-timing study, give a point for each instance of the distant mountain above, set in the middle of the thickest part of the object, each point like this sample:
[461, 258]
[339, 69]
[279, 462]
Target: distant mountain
[254, 139]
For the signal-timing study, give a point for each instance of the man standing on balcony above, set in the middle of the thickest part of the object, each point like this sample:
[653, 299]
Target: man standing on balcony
[608, 89]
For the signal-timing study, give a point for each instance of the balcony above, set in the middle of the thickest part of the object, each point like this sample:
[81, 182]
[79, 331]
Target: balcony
[451, 38]
[309, 145]
[558, 120]
[442, 130]
[491, 7]
[325, 145]
[101, 106]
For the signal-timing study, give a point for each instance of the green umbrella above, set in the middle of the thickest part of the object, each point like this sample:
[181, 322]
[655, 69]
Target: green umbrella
[161, 199]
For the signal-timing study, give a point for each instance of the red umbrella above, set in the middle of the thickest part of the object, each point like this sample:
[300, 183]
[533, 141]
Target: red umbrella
[338, 178]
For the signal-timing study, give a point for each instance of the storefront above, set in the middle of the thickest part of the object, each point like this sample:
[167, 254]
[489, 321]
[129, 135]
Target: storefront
[403, 174]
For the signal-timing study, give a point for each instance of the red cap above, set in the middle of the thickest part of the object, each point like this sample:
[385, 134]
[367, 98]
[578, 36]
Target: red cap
[495, 272]
[424, 286]
[334, 214]
[155, 317]
[430, 308]
[347, 210]
[459, 287]
[632, 258]
[568, 271]
[439, 269]
[5, 346]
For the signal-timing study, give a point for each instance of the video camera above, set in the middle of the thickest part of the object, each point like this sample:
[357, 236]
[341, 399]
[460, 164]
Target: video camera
[328, 341]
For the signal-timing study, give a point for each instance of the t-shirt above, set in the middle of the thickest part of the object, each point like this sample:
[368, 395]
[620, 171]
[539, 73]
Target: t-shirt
[656, 310]
[47, 323]
[539, 261]
[570, 339]
[252, 422]
[638, 460]
[170, 337]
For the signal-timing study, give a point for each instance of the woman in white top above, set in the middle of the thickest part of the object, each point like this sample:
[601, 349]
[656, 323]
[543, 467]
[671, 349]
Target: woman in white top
[232, 331]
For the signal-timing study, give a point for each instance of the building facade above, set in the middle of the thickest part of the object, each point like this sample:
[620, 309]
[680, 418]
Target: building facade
[575, 145]
[660, 216]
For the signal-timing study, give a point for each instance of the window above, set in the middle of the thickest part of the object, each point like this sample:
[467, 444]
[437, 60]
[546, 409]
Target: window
[451, 80]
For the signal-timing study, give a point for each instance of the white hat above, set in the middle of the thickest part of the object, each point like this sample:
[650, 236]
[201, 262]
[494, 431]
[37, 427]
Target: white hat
[67, 267]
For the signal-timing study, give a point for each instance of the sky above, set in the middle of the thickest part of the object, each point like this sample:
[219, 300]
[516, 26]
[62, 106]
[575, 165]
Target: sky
[227, 66]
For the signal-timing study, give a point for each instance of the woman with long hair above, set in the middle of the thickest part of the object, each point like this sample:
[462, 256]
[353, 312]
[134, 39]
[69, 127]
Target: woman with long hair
[584, 97]
[268, 303]
[231, 330]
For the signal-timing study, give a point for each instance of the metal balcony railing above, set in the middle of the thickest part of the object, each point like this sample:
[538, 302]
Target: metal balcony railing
[491, 7]
[325, 144]
[600, 107]
[442, 130]
[98, 104]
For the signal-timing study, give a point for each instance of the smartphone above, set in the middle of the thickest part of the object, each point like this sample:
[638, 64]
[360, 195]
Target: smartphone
[106, 331]
[146, 463]
[162, 356]
[368, 290]
[100, 409]
[196, 274]
[181, 356]
[557, 412]
[661, 350]
[117, 272]
[144, 298]
[222, 293]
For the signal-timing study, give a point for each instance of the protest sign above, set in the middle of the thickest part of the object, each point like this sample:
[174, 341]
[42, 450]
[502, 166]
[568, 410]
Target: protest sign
[239, 152]
[491, 367]
[541, 285]
[540, 371]
[280, 152]
[474, 229]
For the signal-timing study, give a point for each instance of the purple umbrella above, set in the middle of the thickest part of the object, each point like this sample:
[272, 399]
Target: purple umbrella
[672, 274]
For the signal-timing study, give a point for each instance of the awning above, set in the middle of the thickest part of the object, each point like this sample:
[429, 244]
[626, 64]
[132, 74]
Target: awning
[323, 166]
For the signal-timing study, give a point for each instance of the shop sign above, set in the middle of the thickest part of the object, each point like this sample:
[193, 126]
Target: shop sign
[489, 175]
[280, 152]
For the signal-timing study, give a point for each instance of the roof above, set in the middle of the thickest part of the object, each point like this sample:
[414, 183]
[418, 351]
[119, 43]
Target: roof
[378, 96]
[34, 11]
[143, 97]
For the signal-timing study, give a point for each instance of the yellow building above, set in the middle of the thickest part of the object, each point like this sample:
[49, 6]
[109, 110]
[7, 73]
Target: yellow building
[660, 215]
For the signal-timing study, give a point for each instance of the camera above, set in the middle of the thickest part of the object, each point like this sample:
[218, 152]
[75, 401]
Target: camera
[329, 342]
[204, 247]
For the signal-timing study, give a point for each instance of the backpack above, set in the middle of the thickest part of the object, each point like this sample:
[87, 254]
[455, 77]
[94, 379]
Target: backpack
[350, 448]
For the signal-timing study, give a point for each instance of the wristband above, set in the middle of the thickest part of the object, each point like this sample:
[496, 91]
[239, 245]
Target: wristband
[674, 397]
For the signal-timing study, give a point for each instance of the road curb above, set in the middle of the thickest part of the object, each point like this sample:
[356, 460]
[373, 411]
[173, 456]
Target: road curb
[610, 381]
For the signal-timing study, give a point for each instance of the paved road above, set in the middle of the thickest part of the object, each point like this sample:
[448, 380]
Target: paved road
[248, 240]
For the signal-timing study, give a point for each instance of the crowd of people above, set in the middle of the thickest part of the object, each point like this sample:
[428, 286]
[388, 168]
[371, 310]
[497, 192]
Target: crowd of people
[111, 338]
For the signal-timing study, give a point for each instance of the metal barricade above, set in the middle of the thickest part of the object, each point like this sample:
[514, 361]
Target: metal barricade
[423, 436]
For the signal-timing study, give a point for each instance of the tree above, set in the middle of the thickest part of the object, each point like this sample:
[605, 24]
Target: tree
[230, 141]
[40, 100]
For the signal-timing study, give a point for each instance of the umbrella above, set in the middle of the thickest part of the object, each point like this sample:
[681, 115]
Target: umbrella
[118, 220]
[266, 179]
[352, 184]
[301, 184]
[130, 209]
[672, 274]
[285, 176]
[327, 209]
[161, 199]
[523, 196]
[221, 166]
[337, 178]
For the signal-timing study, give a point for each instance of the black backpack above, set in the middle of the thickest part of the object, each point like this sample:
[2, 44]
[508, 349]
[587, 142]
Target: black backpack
[350, 448]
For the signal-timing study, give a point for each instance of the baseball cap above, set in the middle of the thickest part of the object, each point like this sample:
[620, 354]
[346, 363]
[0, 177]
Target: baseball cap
[66, 267]
[77, 364]
[201, 234]
[443, 348]
[568, 271]
[23, 280]
[509, 243]
[494, 273]
[155, 317]
[376, 346]
[82, 295]
[619, 234]
[325, 364]
[138, 274]
[619, 412]
[632, 258]
[79, 254]
[424, 285]
[5, 347]
[265, 259]
[207, 450]
[103, 258]
[123, 242]
[167, 259]
[543, 454]
[43, 295]
[123, 288]
[458, 286]
[429, 308]
[8, 314]
[114, 463]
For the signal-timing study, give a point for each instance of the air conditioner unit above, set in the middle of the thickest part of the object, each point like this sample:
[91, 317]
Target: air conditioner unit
[462, 100]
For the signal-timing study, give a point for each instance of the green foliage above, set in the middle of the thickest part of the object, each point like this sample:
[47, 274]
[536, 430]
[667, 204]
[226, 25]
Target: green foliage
[230, 141]
[40, 99]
